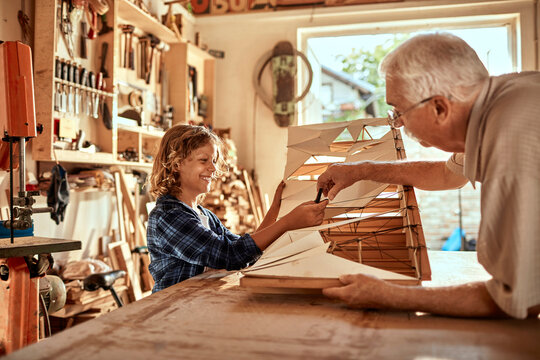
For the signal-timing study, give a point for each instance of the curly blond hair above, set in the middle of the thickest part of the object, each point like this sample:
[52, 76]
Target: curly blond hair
[176, 145]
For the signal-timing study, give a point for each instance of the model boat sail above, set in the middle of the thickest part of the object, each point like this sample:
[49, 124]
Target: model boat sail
[369, 228]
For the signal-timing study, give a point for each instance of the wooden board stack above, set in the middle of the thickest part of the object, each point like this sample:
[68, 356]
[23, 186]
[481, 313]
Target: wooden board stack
[234, 196]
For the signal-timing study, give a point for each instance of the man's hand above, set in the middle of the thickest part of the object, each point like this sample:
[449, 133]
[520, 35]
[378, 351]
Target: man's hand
[361, 291]
[367, 292]
[336, 178]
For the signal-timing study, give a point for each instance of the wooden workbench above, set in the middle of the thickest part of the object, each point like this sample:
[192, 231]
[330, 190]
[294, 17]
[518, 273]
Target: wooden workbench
[210, 317]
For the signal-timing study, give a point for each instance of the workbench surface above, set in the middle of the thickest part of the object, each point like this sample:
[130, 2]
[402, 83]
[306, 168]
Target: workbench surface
[210, 317]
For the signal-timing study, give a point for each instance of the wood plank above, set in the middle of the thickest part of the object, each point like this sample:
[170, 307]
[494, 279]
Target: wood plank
[256, 212]
[134, 15]
[121, 254]
[119, 207]
[130, 206]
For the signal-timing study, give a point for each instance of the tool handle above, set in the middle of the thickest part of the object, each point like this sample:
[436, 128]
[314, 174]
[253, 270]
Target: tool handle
[318, 198]
[75, 76]
[99, 81]
[84, 77]
[92, 80]
[131, 59]
[84, 36]
[104, 49]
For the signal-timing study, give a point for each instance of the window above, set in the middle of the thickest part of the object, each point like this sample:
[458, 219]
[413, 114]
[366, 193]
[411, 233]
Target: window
[349, 85]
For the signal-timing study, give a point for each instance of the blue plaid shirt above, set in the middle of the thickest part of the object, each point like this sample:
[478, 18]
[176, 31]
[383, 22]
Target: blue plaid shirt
[181, 246]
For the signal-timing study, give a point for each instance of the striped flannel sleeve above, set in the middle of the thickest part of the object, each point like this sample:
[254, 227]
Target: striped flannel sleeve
[187, 239]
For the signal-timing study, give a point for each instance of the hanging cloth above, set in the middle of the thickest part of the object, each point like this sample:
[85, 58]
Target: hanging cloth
[58, 193]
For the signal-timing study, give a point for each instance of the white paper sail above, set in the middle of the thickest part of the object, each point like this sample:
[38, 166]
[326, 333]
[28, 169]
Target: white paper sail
[312, 141]
[303, 254]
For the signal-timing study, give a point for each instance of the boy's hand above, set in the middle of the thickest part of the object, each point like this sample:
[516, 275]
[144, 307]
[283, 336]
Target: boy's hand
[276, 202]
[273, 211]
[306, 214]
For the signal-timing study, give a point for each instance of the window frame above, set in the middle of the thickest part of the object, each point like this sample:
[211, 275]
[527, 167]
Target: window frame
[516, 15]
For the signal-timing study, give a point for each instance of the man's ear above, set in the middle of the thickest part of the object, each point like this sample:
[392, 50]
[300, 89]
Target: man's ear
[442, 108]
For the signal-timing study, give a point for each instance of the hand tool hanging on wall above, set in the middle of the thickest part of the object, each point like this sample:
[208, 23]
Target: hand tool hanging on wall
[192, 91]
[67, 27]
[91, 16]
[97, 85]
[57, 98]
[107, 118]
[76, 80]
[154, 41]
[83, 80]
[128, 49]
[92, 98]
[105, 28]
[65, 71]
[172, 21]
[77, 8]
[71, 100]
[63, 106]
[104, 48]
[58, 19]
[163, 48]
[24, 22]
[96, 7]
[58, 68]
[84, 38]
[143, 51]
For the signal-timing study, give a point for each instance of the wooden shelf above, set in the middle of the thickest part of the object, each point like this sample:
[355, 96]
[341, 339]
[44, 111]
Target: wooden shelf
[198, 52]
[141, 130]
[74, 156]
[133, 15]
[135, 164]
[180, 57]
[124, 134]
[84, 157]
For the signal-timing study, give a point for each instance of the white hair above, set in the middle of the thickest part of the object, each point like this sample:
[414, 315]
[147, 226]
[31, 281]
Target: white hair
[435, 64]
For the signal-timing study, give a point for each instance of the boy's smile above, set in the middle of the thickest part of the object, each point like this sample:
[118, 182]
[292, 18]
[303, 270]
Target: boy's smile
[196, 173]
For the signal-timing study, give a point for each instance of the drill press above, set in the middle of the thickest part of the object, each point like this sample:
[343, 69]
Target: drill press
[19, 313]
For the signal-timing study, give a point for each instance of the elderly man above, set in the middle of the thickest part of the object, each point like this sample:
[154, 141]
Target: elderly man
[444, 97]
